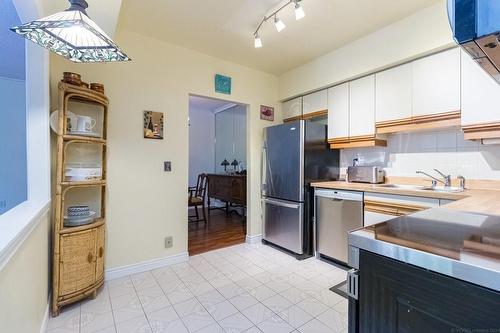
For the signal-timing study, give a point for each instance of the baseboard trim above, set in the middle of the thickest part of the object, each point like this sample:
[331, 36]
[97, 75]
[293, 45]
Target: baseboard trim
[118, 272]
[253, 239]
[45, 321]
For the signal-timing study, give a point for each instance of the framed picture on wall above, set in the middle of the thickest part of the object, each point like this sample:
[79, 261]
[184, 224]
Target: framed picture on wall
[153, 125]
[267, 113]
[222, 84]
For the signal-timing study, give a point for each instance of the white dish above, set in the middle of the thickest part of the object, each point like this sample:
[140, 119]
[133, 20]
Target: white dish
[77, 219]
[80, 174]
[75, 223]
[54, 120]
[84, 133]
[82, 178]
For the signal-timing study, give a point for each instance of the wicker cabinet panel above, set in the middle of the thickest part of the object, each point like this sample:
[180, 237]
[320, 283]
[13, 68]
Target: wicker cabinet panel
[78, 261]
[99, 270]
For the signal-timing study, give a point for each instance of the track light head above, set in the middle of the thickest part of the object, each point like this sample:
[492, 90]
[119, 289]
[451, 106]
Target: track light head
[257, 41]
[279, 24]
[299, 11]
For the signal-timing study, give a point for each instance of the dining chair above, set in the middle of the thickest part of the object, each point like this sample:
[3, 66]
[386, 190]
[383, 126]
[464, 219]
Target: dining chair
[197, 197]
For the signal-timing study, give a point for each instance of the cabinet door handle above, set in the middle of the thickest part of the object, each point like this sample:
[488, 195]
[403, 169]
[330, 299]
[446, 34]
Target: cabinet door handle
[101, 252]
[90, 257]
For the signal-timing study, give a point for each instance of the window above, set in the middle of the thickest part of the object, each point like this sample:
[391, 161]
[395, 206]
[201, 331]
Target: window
[33, 198]
[13, 157]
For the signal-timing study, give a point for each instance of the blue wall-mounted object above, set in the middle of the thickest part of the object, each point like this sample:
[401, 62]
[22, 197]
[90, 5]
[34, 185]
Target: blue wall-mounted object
[222, 84]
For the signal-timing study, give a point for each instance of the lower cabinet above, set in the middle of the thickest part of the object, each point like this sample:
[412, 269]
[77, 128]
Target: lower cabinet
[379, 207]
[397, 297]
[371, 217]
[81, 261]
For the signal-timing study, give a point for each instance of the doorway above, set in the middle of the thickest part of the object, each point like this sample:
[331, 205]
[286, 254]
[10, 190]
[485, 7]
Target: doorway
[217, 174]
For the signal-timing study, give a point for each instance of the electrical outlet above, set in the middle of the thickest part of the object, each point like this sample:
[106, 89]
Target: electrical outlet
[169, 242]
[167, 166]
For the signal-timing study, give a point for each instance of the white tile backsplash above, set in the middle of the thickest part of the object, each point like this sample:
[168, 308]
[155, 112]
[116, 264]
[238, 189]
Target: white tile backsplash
[447, 151]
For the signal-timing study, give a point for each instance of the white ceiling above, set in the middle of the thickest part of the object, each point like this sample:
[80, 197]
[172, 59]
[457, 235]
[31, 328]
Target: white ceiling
[209, 104]
[224, 28]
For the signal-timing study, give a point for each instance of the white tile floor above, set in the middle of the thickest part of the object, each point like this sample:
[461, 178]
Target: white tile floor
[244, 288]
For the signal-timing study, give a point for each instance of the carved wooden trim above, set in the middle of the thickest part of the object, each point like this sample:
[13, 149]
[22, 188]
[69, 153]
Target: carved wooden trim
[315, 114]
[389, 208]
[434, 121]
[307, 116]
[289, 120]
[357, 142]
[339, 140]
[437, 117]
[482, 131]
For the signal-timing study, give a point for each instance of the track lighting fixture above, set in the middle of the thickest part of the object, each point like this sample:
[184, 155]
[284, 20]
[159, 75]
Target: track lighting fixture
[278, 23]
[299, 11]
[257, 41]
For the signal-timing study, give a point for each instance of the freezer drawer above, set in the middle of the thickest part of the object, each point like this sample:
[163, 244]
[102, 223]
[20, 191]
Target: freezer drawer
[337, 213]
[284, 223]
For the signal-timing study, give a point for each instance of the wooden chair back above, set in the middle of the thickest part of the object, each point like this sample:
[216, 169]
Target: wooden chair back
[200, 190]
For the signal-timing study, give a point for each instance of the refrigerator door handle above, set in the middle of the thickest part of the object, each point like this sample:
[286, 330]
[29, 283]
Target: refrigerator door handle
[263, 184]
[281, 204]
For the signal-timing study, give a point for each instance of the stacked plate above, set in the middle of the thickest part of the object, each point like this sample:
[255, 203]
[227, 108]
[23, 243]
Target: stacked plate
[82, 172]
[78, 215]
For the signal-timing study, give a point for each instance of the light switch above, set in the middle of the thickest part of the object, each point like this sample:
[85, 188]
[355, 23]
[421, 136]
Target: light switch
[167, 166]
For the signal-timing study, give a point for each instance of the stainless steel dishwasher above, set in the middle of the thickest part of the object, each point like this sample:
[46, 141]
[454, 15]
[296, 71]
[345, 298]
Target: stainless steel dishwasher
[336, 213]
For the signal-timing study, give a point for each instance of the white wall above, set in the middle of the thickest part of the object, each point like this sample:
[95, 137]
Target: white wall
[24, 283]
[444, 150]
[201, 143]
[422, 33]
[144, 203]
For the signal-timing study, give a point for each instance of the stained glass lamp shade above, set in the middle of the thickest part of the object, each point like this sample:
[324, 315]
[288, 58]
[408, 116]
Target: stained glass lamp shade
[73, 35]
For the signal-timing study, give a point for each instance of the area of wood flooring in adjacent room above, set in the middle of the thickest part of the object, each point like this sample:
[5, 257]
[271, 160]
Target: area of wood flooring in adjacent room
[222, 230]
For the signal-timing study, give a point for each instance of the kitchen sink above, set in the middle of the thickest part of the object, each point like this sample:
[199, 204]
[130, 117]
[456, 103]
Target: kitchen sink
[450, 189]
[402, 187]
[444, 189]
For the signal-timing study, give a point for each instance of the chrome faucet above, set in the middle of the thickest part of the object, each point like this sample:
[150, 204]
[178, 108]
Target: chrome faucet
[461, 180]
[446, 178]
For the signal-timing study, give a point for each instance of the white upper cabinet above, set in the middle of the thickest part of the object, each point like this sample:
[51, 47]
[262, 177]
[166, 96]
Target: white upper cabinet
[394, 93]
[338, 111]
[436, 83]
[362, 106]
[480, 94]
[315, 102]
[292, 108]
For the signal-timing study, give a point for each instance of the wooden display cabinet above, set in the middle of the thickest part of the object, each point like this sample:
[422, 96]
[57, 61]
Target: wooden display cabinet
[78, 252]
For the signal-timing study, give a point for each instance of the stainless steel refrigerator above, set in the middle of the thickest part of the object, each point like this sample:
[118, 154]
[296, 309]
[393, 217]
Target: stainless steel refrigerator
[294, 155]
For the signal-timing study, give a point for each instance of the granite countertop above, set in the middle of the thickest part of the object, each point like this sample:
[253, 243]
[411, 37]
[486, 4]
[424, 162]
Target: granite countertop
[481, 201]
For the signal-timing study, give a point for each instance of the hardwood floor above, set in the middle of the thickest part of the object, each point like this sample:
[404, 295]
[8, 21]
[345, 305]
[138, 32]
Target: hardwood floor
[221, 231]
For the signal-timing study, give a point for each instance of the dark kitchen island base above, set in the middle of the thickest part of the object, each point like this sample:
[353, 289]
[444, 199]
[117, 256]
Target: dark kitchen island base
[398, 297]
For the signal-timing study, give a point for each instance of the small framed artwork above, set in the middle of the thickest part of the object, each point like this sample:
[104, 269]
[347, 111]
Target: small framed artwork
[153, 125]
[267, 113]
[222, 84]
